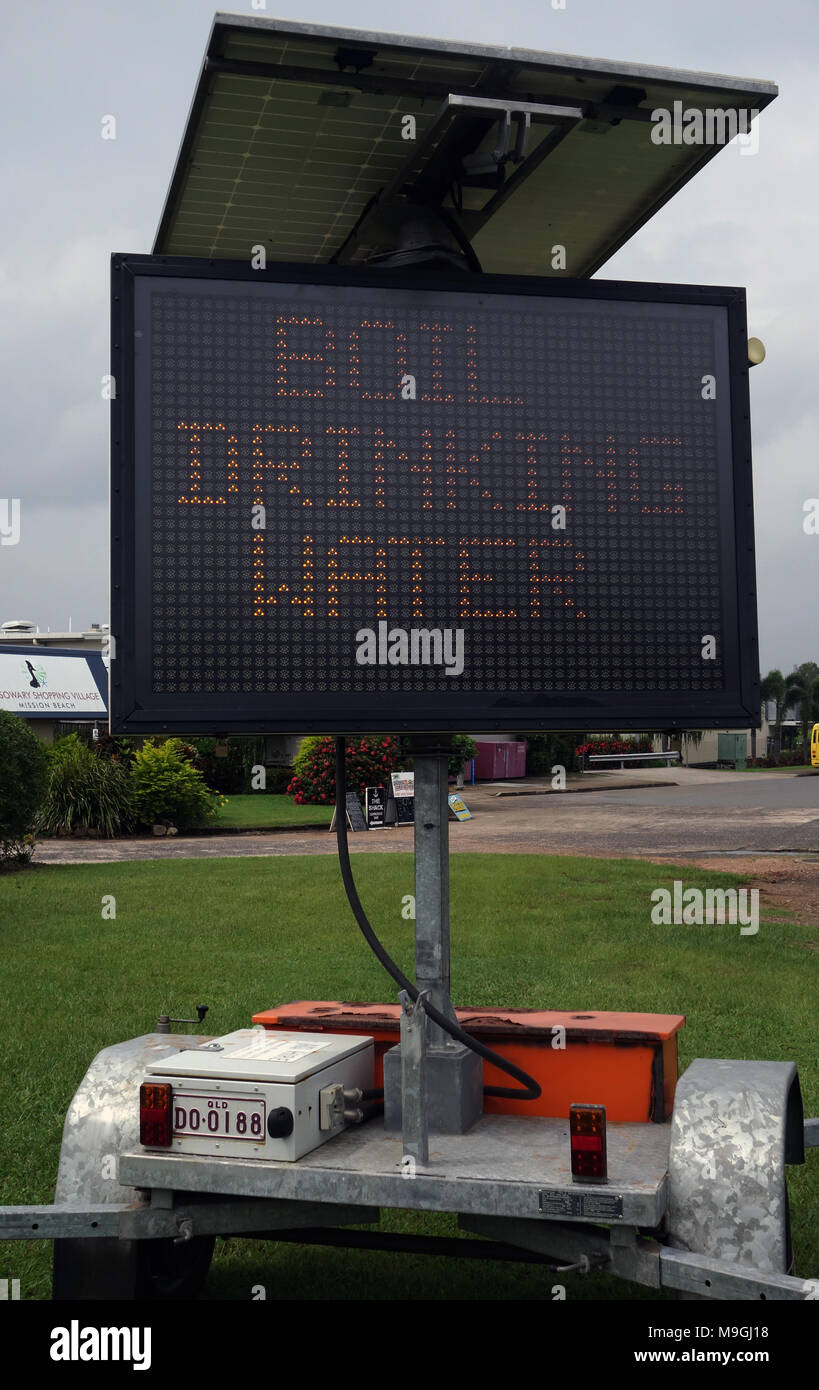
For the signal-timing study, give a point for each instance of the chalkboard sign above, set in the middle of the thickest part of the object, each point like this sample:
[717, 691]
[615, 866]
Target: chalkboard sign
[355, 815]
[375, 801]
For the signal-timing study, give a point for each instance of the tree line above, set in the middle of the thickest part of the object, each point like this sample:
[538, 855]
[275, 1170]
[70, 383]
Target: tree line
[798, 691]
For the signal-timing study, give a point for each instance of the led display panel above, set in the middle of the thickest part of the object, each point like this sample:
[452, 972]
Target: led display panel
[349, 500]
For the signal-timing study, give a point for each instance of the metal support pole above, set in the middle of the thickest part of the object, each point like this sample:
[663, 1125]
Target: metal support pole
[453, 1093]
[432, 882]
[414, 1025]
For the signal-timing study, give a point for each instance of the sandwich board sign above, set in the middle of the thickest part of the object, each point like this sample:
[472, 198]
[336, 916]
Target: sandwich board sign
[375, 806]
[458, 807]
[403, 790]
[355, 815]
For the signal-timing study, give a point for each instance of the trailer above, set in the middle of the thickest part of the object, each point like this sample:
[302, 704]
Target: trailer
[308, 1125]
[694, 1199]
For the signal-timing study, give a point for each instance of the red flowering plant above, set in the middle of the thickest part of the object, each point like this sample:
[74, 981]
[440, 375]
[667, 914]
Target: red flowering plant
[369, 762]
[614, 745]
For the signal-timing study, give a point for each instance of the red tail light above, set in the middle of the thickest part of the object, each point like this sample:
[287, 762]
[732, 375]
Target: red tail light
[587, 1125]
[155, 1115]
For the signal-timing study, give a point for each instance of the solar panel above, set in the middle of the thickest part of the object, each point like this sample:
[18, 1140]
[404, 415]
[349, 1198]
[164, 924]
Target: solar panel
[297, 135]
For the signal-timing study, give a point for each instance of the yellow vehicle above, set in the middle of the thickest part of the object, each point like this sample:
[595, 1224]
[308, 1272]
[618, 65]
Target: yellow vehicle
[814, 746]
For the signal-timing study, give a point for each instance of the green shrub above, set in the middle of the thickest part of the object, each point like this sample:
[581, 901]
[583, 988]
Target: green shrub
[23, 774]
[86, 793]
[545, 751]
[119, 750]
[230, 773]
[167, 788]
[789, 757]
[63, 748]
[464, 749]
[278, 779]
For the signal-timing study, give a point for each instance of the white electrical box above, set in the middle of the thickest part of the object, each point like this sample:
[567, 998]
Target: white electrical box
[260, 1094]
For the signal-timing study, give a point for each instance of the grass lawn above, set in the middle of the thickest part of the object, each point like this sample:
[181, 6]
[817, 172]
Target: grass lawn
[267, 811]
[244, 934]
[793, 767]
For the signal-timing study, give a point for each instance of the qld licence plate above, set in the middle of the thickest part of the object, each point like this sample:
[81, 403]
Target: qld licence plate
[196, 1115]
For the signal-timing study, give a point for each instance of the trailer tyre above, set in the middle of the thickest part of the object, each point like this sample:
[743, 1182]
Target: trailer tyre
[167, 1270]
[124, 1270]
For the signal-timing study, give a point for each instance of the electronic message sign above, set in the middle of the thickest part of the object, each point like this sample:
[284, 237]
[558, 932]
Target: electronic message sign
[349, 500]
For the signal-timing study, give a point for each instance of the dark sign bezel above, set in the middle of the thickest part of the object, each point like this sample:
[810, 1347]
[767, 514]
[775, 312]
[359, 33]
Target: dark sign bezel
[736, 706]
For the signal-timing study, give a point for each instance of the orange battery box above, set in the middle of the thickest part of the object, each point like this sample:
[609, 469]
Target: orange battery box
[627, 1062]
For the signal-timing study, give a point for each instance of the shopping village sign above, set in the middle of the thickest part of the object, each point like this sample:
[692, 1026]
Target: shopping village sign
[326, 480]
[41, 683]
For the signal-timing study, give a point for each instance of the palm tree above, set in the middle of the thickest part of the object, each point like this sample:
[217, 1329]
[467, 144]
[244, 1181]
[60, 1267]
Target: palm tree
[773, 688]
[802, 694]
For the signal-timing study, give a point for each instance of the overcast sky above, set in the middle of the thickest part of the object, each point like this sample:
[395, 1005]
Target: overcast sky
[70, 198]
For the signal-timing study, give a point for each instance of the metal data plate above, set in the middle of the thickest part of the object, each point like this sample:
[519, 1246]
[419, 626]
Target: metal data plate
[253, 1054]
[599, 1205]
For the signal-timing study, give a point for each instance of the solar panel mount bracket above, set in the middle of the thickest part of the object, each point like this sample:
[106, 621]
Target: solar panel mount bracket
[474, 169]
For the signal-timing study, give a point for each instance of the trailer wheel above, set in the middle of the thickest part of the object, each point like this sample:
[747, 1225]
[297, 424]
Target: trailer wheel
[170, 1271]
[103, 1269]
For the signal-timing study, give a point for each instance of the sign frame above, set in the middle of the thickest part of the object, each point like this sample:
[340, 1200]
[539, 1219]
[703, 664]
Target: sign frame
[133, 709]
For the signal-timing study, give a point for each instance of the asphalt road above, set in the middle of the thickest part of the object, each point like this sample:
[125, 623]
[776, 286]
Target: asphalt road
[713, 813]
[778, 792]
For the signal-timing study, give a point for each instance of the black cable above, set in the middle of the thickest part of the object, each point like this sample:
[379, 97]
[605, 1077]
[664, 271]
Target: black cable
[531, 1089]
